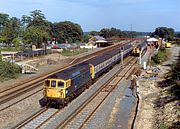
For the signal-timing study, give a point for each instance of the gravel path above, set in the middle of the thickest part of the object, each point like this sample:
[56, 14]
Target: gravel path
[148, 117]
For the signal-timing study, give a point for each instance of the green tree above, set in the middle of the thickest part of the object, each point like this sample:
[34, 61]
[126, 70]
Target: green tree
[105, 32]
[2, 38]
[0, 56]
[94, 33]
[35, 36]
[4, 19]
[17, 42]
[36, 28]
[164, 32]
[25, 21]
[37, 18]
[113, 33]
[12, 29]
[86, 38]
[177, 34]
[66, 31]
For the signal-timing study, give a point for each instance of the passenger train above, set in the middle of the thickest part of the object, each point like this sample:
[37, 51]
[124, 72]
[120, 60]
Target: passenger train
[167, 45]
[140, 48]
[67, 84]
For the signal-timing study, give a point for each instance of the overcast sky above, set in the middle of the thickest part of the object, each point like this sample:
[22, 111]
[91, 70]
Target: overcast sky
[144, 15]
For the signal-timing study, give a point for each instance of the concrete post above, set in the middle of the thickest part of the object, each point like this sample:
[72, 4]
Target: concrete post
[140, 57]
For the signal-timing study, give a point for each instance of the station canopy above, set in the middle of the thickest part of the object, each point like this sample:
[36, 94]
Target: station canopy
[152, 40]
[101, 41]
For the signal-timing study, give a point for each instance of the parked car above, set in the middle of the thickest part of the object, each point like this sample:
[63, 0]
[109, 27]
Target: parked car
[56, 46]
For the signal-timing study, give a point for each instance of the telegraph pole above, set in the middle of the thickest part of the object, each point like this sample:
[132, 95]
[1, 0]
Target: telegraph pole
[140, 57]
[130, 32]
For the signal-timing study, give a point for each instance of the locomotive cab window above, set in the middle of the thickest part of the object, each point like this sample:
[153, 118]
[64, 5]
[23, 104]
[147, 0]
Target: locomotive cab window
[47, 83]
[60, 84]
[53, 83]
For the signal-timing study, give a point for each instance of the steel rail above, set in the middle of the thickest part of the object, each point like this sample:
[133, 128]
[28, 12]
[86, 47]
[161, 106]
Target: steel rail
[42, 77]
[76, 112]
[25, 87]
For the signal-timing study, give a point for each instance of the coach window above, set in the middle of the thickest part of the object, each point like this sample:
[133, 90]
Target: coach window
[53, 83]
[47, 83]
[60, 84]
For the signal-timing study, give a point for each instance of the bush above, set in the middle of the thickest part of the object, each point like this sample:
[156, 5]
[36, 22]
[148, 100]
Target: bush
[8, 70]
[160, 57]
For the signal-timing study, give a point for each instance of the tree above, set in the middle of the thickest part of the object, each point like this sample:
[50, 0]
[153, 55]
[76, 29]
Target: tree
[36, 28]
[17, 41]
[94, 33]
[2, 38]
[66, 31]
[35, 36]
[105, 32]
[177, 34]
[12, 29]
[112, 33]
[86, 38]
[0, 56]
[25, 21]
[164, 32]
[4, 19]
[37, 18]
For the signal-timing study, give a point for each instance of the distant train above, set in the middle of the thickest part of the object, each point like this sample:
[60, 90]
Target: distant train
[67, 84]
[140, 48]
[168, 45]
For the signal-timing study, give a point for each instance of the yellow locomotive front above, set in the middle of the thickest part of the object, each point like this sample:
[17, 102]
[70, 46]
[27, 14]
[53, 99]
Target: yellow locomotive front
[168, 45]
[55, 88]
[136, 50]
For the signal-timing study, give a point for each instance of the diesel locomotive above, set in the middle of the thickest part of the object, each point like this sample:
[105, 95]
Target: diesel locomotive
[167, 45]
[140, 48]
[62, 87]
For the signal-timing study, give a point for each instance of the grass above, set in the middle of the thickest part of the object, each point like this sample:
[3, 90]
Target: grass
[163, 126]
[161, 56]
[11, 49]
[73, 52]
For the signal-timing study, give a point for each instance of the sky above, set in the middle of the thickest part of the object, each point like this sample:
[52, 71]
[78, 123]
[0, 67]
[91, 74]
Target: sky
[143, 15]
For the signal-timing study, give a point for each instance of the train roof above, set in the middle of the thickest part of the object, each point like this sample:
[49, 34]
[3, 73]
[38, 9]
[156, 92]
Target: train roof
[99, 59]
[72, 71]
[142, 44]
[127, 46]
[107, 55]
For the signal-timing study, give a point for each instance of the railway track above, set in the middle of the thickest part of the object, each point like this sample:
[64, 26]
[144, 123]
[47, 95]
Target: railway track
[84, 114]
[41, 118]
[26, 86]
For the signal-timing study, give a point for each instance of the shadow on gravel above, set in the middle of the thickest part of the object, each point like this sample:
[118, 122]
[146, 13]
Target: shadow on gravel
[173, 90]
[168, 65]
[30, 73]
[175, 126]
[164, 100]
[42, 102]
[165, 83]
